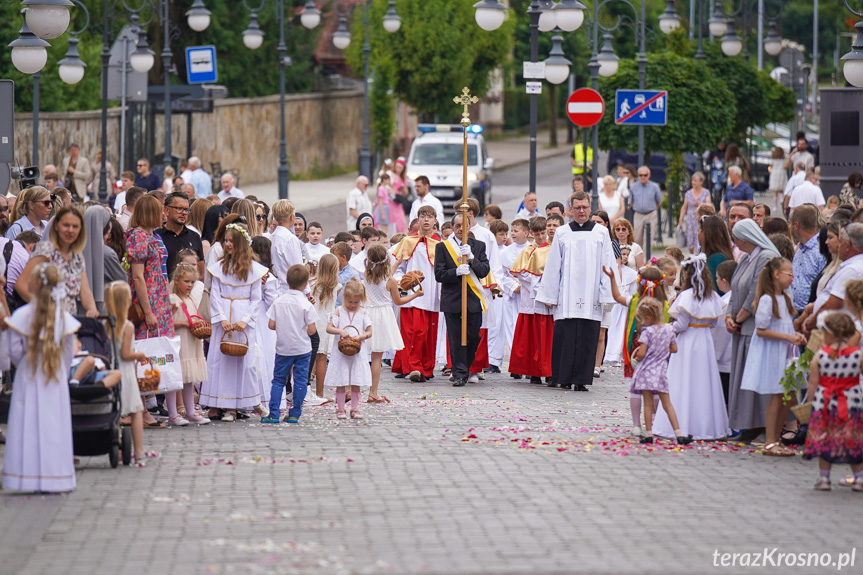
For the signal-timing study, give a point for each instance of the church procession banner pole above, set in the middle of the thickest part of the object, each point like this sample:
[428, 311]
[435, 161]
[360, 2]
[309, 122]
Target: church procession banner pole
[464, 100]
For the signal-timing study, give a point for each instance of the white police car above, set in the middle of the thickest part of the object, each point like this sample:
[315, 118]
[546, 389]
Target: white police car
[437, 153]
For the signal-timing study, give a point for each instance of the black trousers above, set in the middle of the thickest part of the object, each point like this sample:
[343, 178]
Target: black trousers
[573, 351]
[462, 357]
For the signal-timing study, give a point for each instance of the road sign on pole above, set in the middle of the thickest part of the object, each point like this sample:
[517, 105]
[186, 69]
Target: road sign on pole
[641, 107]
[201, 65]
[585, 107]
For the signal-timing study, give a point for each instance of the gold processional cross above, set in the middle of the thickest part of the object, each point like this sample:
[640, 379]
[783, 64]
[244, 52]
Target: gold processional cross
[464, 100]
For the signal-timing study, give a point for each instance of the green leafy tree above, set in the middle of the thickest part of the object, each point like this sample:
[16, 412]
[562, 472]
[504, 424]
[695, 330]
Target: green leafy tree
[382, 106]
[700, 111]
[438, 51]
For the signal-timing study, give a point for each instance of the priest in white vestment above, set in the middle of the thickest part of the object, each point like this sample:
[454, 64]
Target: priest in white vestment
[573, 281]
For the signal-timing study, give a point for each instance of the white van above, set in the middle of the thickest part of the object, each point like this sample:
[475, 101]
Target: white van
[437, 153]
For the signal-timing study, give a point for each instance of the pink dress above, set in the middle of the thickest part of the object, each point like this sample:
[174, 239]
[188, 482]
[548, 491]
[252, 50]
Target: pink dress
[382, 208]
[397, 212]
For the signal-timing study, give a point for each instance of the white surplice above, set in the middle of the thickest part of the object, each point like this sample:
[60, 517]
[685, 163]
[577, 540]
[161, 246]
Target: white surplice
[693, 376]
[627, 285]
[508, 284]
[38, 455]
[573, 279]
[419, 260]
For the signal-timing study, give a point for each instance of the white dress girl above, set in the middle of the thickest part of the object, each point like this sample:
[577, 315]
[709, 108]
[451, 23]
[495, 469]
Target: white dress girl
[130, 396]
[265, 338]
[39, 455]
[324, 311]
[385, 331]
[627, 285]
[233, 381]
[693, 375]
[347, 370]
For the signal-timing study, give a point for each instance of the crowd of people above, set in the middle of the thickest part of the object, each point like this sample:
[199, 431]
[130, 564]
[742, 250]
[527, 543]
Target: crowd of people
[704, 339]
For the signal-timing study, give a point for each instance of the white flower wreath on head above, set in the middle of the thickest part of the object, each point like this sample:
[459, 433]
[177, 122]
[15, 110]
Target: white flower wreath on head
[241, 230]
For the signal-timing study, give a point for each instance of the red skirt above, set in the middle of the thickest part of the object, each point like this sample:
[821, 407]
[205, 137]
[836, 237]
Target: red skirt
[480, 360]
[419, 333]
[531, 345]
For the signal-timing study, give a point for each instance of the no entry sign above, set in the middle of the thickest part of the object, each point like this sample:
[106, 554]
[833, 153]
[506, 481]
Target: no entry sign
[585, 107]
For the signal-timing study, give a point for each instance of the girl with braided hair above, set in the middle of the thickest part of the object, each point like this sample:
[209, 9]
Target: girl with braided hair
[41, 341]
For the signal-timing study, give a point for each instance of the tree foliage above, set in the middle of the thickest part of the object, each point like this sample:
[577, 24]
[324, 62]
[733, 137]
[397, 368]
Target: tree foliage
[438, 51]
[700, 106]
[246, 73]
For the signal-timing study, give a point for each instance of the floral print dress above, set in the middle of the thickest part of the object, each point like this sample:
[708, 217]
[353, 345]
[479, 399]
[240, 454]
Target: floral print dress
[71, 271]
[147, 249]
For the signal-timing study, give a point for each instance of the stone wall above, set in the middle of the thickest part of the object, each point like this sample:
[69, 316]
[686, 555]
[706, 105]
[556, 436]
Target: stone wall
[323, 130]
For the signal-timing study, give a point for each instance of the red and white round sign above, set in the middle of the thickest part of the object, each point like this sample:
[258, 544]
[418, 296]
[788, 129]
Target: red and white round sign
[585, 107]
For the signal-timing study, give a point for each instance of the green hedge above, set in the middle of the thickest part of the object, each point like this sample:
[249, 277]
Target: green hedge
[516, 106]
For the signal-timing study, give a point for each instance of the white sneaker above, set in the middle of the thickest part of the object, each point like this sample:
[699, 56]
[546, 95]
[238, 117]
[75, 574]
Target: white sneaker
[595, 372]
[473, 378]
[635, 432]
[481, 376]
[313, 400]
[289, 399]
[415, 375]
[262, 409]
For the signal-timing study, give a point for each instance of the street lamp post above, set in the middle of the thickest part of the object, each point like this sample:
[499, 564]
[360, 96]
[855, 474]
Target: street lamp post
[568, 15]
[392, 23]
[852, 67]
[253, 38]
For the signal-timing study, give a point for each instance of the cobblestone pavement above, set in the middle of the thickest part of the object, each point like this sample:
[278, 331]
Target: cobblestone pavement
[502, 477]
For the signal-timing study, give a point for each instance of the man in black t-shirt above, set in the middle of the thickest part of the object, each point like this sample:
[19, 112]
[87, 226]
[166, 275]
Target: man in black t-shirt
[176, 236]
[145, 178]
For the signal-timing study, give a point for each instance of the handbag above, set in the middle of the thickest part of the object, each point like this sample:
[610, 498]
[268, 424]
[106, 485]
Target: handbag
[680, 237]
[163, 354]
[200, 329]
[136, 314]
[204, 306]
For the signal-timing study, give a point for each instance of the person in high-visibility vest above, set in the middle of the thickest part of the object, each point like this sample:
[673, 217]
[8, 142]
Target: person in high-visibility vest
[578, 164]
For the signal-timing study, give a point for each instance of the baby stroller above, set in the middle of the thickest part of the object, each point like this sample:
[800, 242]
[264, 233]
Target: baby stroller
[96, 409]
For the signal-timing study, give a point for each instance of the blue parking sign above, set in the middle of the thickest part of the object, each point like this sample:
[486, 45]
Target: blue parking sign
[641, 107]
[201, 65]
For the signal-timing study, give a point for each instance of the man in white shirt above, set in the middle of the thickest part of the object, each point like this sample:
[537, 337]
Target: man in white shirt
[832, 297]
[228, 189]
[797, 178]
[358, 202]
[808, 192]
[529, 210]
[425, 198]
[509, 284]
[286, 248]
[196, 176]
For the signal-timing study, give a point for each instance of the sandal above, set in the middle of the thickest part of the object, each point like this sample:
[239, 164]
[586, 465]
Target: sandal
[777, 450]
[155, 425]
[182, 411]
[378, 399]
[341, 414]
[355, 414]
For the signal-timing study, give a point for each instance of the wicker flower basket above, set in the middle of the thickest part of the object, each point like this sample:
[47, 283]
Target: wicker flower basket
[231, 344]
[200, 328]
[350, 345]
[411, 280]
[150, 382]
[802, 412]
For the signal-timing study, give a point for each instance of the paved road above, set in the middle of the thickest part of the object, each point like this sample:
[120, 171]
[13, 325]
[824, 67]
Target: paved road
[553, 183]
[503, 477]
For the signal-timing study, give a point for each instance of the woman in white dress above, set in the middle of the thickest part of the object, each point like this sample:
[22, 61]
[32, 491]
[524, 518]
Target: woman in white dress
[611, 200]
[693, 374]
[235, 299]
[41, 343]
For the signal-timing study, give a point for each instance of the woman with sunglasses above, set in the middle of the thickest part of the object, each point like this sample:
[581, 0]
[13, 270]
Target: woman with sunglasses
[626, 237]
[262, 216]
[31, 212]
